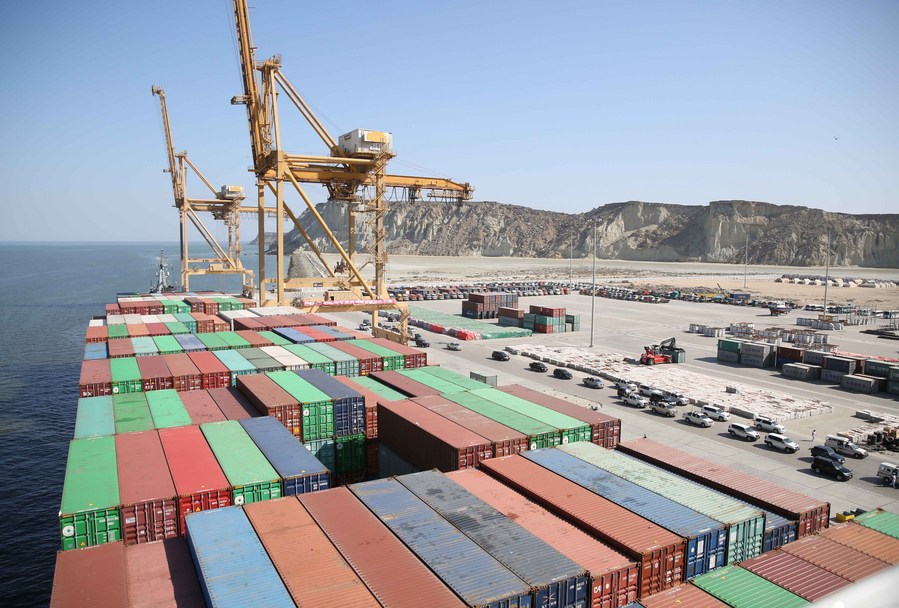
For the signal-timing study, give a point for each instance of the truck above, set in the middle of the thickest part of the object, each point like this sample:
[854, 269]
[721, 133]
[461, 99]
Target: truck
[665, 351]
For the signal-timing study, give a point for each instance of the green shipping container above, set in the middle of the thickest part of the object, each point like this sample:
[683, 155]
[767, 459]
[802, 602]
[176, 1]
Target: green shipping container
[314, 359]
[733, 346]
[116, 331]
[894, 373]
[318, 408]
[349, 453]
[893, 387]
[167, 409]
[171, 307]
[167, 345]
[745, 524]
[189, 322]
[878, 368]
[456, 378]
[213, 341]
[251, 476]
[233, 340]
[742, 589]
[323, 449]
[89, 513]
[344, 364]
[438, 384]
[236, 364]
[125, 375]
[144, 346]
[132, 413]
[882, 521]
[177, 327]
[95, 417]
[379, 389]
[275, 339]
[572, 430]
[539, 435]
[393, 360]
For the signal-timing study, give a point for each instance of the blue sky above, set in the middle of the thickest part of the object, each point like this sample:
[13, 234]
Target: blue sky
[563, 106]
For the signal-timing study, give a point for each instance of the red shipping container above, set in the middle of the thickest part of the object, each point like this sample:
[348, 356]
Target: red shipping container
[90, 578]
[120, 348]
[154, 373]
[205, 323]
[201, 407]
[113, 309]
[356, 334]
[158, 329]
[149, 507]
[428, 440]
[368, 361]
[199, 481]
[683, 596]
[868, 541]
[254, 338]
[605, 430]
[317, 575]
[506, 441]
[402, 384]
[796, 575]
[249, 323]
[95, 380]
[376, 554]
[413, 357]
[210, 307]
[162, 574]
[611, 573]
[832, 556]
[137, 330]
[213, 371]
[272, 400]
[658, 552]
[196, 304]
[811, 513]
[185, 375]
[98, 333]
[310, 319]
[315, 334]
[232, 404]
[371, 405]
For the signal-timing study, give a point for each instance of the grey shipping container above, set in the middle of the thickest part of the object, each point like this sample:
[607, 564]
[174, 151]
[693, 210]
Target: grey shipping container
[857, 383]
[298, 468]
[728, 356]
[475, 575]
[349, 405]
[829, 375]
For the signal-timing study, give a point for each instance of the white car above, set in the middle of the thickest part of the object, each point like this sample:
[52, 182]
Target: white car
[698, 418]
[453, 346]
[781, 442]
[646, 389]
[635, 400]
[742, 431]
[626, 384]
[769, 425]
[679, 398]
[715, 413]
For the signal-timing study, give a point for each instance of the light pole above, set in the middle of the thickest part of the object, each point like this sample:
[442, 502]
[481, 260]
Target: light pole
[746, 261]
[827, 271]
[593, 289]
[570, 261]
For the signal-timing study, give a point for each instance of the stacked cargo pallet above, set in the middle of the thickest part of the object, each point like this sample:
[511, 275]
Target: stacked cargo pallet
[546, 320]
[487, 305]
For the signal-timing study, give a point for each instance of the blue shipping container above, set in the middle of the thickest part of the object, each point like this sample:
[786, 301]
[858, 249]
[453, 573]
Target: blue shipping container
[301, 471]
[555, 580]
[349, 405]
[778, 531]
[293, 335]
[190, 343]
[476, 576]
[232, 565]
[95, 350]
[706, 538]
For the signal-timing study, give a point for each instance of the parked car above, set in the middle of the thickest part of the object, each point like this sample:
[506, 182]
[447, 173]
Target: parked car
[646, 389]
[500, 355]
[663, 408]
[422, 343]
[591, 382]
[832, 468]
[742, 431]
[885, 472]
[715, 413]
[635, 400]
[660, 397]
[562, 374]
[679, 398]
[698, 418]
[768, 425]
[781, 442]
[626, 384]
[624, 392]
[845, 446]
[537, 366]
[825, 451]
[453, 346]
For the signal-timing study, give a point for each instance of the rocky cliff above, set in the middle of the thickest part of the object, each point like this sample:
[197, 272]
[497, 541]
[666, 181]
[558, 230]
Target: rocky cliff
[717, 232]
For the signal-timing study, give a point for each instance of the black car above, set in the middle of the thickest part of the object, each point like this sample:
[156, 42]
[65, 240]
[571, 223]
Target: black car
[500, 355]
[624, 392]
[659, 397]
[831, 468]
[422, 343]
[537, 366]
[562, 373]
[825, 451]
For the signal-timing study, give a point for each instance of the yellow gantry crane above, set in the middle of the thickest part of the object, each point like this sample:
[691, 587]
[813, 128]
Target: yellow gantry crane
[353, 171]
[225, 206]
